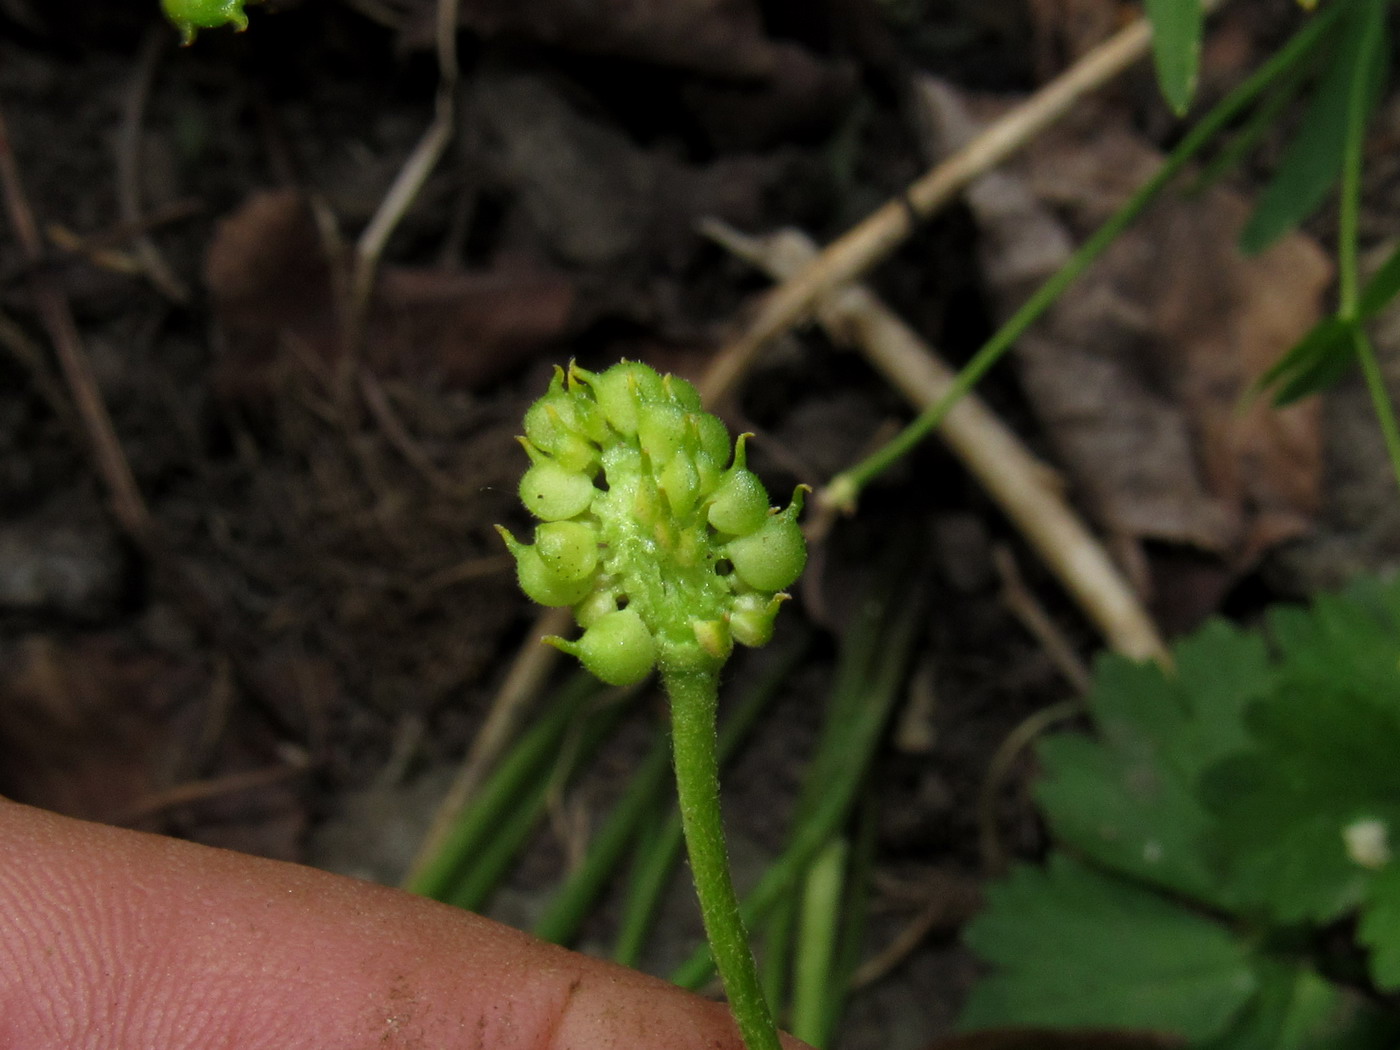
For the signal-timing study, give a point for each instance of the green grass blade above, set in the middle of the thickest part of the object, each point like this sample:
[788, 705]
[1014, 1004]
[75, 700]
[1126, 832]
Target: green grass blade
[571, 901]
[488, 866]
[1314, 363]
[1382, 287]
[658, 850]
[1177, 26]
[817, 934]
[524, 764]
[1313, 161]
[845, 488]
[1380, 398]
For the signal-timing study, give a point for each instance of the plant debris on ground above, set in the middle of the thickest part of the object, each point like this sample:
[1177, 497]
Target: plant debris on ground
[285, 629]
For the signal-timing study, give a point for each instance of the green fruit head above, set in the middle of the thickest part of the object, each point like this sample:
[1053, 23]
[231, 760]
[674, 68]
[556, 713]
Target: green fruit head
[666, 550]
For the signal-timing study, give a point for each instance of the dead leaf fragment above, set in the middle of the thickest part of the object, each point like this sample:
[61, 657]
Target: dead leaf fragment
[1139, 371]
[272, 281]
[83, 726]
[722, 38]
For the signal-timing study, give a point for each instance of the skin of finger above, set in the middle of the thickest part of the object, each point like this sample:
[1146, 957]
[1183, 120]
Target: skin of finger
[117, 940]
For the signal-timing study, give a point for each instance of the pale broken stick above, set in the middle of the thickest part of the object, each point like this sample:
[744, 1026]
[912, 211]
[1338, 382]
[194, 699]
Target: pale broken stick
[1027, 490]
[875, 237]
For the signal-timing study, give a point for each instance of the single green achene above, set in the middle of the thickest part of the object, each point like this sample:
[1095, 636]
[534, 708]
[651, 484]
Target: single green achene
[189, 16]
[668, 553]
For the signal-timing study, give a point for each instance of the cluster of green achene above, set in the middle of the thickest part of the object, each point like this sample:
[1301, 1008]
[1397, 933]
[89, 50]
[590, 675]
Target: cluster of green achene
[666, 550]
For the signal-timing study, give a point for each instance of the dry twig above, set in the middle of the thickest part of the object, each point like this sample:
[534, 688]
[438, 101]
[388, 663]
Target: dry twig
[133, 121]
[864, 245]
[1026, 489]
[128, 506]
[414, 173]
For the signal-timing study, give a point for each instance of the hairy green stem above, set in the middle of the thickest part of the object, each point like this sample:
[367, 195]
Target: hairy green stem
[694, 696]
[657, 856]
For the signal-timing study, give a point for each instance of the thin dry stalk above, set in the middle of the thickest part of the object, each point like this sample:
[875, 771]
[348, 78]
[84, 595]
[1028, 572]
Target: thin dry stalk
[873, 239]
[138, 94]
[414, 173]
[128, 506]
[1024, 605]
[204, 790]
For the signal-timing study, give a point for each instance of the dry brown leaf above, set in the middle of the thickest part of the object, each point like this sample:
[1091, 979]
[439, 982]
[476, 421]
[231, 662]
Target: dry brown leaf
[590, 194]
[84, 726]
[271, 281]
[1066, 30]
[1139, 371]
[723, 38]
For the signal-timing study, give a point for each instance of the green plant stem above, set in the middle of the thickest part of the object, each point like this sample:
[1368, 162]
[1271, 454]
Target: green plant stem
[845, 488]
[1348, 243]
[1349, 206]
[1380, 396]
[884, 661]
[494, 856]
[694, 693]
[520, 768]
[566, 911]
[822, 893]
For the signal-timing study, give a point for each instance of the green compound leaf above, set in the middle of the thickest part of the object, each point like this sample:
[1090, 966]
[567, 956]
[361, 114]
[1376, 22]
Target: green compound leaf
[1261, 781]
[1128, 799]
[1072, 947]
[1379, 929]
[1297, 1009]
[1176, 48]
[1313, 161]
[1353, 636]
[1309, 812]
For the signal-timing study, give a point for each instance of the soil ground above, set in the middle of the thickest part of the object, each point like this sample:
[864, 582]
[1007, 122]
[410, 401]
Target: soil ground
[296, 656]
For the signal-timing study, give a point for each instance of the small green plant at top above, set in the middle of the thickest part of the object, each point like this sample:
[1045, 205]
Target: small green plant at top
[1229, 826]
[190, 16]
[663, 544]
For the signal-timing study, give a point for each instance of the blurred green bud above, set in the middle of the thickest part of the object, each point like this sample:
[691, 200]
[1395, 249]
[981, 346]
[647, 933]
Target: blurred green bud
[714, 637]
[594, 607]
[682, 393]
[681, 483]
[188, 16]
[712, 438]
[620, 390]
